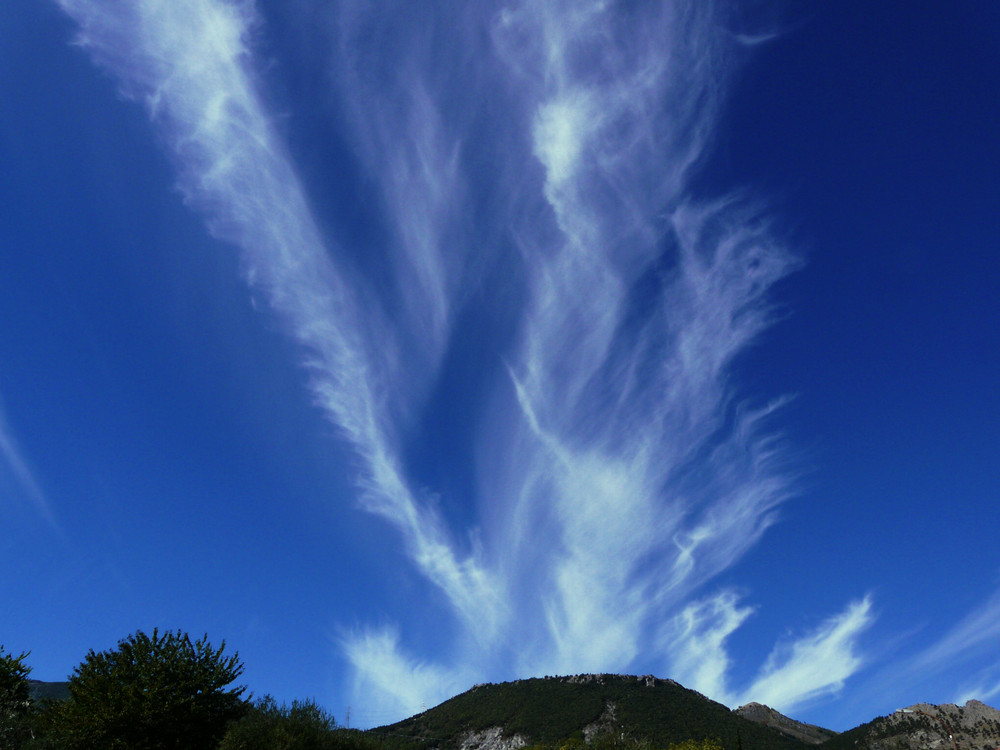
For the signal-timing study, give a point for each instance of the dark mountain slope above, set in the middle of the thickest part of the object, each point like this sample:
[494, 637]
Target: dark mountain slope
[548, 710]
[766, 715]
[41, 691]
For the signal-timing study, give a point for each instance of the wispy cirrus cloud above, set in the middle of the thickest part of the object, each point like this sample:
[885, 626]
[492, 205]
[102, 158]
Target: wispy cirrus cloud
[190, 63]
[798, 671]
[652, 482]
[396, 683]
[814, 665]
[970, 646]
[696, 642]
[981, 692]
[13, 459]
[620, 470]
[975, 634]
[964, 655]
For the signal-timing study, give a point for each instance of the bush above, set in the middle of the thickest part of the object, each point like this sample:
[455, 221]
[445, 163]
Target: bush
[15, 699]
[151, 693]
[695, 745]
[301, 726]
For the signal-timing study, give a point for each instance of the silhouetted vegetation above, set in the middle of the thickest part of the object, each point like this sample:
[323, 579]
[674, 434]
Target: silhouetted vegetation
[15, 699]
[301, 726]
[149, 693]
[158, 692]
[167, 691]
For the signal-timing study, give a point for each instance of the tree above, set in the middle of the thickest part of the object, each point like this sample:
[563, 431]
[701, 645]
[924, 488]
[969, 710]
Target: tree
[15, 698]
[301, 726]
[152, 693]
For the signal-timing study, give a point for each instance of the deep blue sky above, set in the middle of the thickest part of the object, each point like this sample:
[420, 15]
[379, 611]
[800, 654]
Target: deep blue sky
[411, 346]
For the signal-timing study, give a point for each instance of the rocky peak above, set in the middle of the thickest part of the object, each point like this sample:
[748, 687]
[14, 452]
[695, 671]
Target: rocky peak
[761, 714]
[973, 725]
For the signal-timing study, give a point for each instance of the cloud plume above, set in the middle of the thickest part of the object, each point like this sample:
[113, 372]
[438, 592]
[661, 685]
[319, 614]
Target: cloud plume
[12, 459]
[619, 469]
[969, 648]
[815, 664]
[797, 671]
[190, 63]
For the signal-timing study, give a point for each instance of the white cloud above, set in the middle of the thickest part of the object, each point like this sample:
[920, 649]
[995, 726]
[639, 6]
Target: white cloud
[968, 647]
[813, 665]
[628, 474]
[964, 656]
[977, 633]
[12, 457]
[696, 643]
[402, 136]
[397, 684]
[796, 672]
[983, 691]
[560, 134]
[189, 60]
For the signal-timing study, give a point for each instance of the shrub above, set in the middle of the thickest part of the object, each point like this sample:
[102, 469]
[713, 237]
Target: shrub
[301, 726]
[695, 745]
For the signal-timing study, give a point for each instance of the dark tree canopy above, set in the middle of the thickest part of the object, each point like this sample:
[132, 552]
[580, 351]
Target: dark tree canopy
[301, 726]
[153, 693]
[15, 697]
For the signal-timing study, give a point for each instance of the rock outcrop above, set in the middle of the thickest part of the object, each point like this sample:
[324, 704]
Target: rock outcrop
[491, 739]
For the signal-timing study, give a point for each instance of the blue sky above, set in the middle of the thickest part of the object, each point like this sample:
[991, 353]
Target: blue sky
[406, 346]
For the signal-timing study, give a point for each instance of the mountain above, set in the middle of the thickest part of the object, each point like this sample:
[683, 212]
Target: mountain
[48, 690]
[570, 710]
[807, 733]
[974, 726]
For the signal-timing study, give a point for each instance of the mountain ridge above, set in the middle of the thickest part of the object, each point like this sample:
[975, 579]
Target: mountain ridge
[571, 712]
[972, 726]
[547, 711]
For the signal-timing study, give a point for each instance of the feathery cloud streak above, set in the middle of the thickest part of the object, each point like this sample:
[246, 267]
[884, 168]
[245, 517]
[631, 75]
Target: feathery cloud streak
[12, 458]
[976, 634]
[798, 671]
[628, 473]
[814, 665]
[190, 63]
[971, 645]
[639, 301]
[964, 655]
